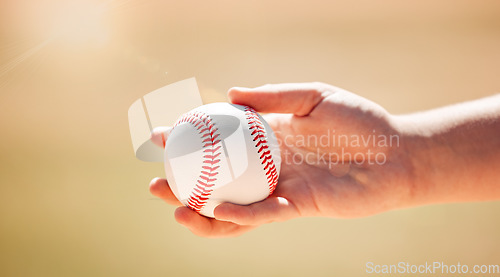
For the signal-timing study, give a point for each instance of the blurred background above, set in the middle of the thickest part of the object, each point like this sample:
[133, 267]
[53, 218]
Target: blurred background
[74, 200]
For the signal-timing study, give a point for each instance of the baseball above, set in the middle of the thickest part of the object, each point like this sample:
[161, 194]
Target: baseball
[220, 153]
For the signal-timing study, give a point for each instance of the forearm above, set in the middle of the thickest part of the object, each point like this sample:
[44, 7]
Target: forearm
[455, 152]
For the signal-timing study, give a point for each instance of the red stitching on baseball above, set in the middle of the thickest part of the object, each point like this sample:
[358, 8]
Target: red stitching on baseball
[208, 133]
[259, 136]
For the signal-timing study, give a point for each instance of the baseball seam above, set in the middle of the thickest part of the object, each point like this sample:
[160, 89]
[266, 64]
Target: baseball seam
[212, 150]
[259, 137]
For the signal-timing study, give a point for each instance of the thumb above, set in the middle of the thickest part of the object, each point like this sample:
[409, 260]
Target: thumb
[297, 98]
[159, 135]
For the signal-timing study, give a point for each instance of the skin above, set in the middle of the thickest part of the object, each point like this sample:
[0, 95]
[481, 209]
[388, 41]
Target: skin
[445, 155]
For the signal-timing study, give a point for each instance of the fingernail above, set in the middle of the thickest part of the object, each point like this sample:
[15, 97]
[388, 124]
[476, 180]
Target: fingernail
[240, 88]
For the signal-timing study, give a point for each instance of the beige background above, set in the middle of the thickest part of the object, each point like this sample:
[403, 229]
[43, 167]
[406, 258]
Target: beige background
[74, 199]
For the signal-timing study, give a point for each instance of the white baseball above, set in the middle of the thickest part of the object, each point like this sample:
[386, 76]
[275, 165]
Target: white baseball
[219, 153]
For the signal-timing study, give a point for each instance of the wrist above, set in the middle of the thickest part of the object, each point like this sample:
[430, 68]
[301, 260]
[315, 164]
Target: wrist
[421, 152]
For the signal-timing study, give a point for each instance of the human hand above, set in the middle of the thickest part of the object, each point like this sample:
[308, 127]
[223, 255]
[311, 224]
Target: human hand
[324, 171]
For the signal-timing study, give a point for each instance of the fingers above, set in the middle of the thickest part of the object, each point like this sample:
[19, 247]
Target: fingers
[159, 135]
[230, 219]
[208, 227]
[299, 99]
[270, 210]
[160, 188]
[198, 224]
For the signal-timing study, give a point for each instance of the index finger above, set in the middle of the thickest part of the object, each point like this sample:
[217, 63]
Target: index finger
[159, 135]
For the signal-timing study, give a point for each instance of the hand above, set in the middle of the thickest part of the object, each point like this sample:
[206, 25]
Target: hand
[332, 177]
